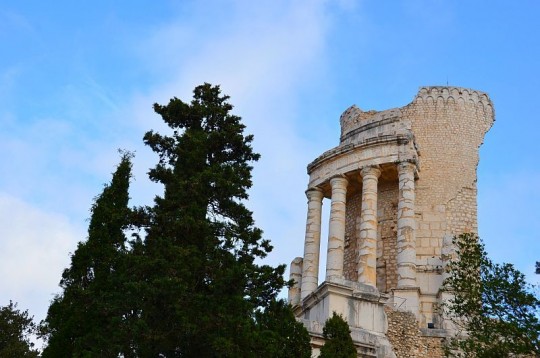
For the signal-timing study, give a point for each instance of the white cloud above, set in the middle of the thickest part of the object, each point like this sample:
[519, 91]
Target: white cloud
[262, 55]
[34, 250]
[265, 54]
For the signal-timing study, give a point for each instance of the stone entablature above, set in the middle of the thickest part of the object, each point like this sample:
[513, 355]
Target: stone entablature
[401, 183]
[358, 126]
[377, 139]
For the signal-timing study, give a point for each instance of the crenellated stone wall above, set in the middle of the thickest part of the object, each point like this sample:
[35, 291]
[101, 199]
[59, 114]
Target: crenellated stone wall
[449, 125]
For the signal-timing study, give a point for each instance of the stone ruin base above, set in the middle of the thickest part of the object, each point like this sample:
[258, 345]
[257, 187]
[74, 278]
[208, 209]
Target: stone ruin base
[362, 306]
[368, 345]
[410, 341]
[377, 329]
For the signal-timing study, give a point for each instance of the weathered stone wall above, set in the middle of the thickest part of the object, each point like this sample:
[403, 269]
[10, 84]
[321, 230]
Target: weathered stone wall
[424, 157]
[352, 229]
[406, 338]
[386, 245]
[449, 125]
[386, 237]
[461, 212]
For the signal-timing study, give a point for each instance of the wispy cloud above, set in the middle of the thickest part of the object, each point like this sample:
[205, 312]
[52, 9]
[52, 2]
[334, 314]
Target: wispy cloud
[34, 249]
[262, 54]
[65, 110]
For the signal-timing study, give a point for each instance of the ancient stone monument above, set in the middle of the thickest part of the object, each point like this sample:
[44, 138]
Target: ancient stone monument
[401, 184]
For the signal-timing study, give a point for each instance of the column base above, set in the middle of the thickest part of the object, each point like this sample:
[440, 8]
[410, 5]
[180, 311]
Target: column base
[361, 305]
[444, 322]
[407, 299]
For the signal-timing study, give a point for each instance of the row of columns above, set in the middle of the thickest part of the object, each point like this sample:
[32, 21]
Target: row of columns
[367, 253]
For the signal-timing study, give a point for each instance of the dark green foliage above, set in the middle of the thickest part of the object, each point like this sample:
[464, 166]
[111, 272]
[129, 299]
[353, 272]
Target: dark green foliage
[492, 303]
[538, 267]
[86, 318]
[337, 335]
[15, 329]
[188, 284]
[281, 336]
[201, 284]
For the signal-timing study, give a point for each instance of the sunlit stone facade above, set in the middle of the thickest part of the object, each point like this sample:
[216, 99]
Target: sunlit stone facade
[400, 185]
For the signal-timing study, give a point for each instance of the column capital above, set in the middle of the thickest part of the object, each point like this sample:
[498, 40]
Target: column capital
[338, 181]
[370, 170]
[314, 193]
[406, 166]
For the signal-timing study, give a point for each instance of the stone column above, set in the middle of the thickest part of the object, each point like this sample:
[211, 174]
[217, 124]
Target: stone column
[448, 253]
[406, 238]
[336, 234]
[295, 274]
[312, 242]
[367, 253]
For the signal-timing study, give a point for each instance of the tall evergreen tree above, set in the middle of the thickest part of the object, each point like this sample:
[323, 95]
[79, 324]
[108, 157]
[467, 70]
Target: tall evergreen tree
[201, 284]
[86, 318]
[189, 285]
[339, 343]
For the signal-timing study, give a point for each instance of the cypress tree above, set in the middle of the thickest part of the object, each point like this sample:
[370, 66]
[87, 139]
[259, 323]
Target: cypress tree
[201, 283]
[188, 284]
[85, 318]
[281, 335]
[337, 335]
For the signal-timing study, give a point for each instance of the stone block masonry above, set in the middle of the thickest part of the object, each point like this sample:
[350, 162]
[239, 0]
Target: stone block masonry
[400, 183]
[407, 340]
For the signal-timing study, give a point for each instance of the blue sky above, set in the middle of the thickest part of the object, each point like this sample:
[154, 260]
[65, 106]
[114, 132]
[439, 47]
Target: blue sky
[78, 80]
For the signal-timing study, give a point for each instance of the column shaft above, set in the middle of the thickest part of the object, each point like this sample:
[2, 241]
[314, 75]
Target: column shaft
[406, 238]
[367, 253]
[295, 274]
[312, 243]
[336, 235]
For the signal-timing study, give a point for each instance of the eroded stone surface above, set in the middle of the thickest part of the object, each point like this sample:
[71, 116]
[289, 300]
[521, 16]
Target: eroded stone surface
[336, 231]
[392, 229]
[312, 242]
[295, 274]
[367, 254]
[406, 227]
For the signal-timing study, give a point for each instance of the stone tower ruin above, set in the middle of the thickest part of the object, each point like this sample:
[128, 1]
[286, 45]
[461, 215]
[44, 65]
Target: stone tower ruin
[401, 184]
